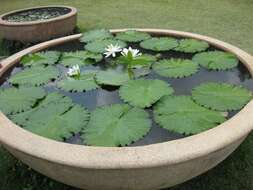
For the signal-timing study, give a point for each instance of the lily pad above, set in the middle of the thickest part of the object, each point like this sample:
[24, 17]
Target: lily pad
[144, 92]
[80, 58]
[35, 76]
[84, 83]
[116, 125]
[60, 126]
[216, 60]
[221, 96]
[180, 114]
[159, 44]
[132, 36]
[140, 72]
[191, 46]
[14, 100]
[49, 104]
[99, 46]
[56, 118]
[175, 68]
[144, 60]
[41, 58]
[94, 35]
[112, 77]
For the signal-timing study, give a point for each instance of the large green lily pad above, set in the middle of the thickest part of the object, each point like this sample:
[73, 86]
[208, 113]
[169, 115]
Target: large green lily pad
[216, 60]
[132, 36]
[144, 92]
[180, 114]
[116, 125]
[221, 96]
[37, 75]
[99, 46]
[159, 44]
[175, 68]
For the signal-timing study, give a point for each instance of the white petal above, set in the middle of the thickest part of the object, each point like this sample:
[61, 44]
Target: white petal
[107, 54]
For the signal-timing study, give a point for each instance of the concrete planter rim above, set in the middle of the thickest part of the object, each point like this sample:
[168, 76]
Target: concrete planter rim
[72, 12]
[148, 156]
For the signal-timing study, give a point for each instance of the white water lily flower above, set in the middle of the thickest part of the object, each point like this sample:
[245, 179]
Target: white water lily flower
[134, 52]
[75, 70]
[111, 50]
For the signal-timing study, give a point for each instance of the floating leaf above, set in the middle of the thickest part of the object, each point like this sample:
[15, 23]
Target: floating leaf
[84, 83]
[216, 60]
[180, 114]
[143, 93]
[35, 76]
[139, 72]
[41, 58]
[54, 103]
[116, 125]
[144, 60]
[175, 68]
[100, 45]
[80, 58]
[55, 117]
[112, 77]
[60, 126]
[221, 96]
[70, 62]
[94, 35]
[159, 44]
[191, 46]
[132, 36]
[14, 100]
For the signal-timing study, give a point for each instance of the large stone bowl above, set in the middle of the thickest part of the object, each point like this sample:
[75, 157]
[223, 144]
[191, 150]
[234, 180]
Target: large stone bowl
[41, 30]
[131, 168]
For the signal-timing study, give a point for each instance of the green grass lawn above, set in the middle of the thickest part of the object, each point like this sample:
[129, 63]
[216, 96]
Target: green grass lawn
[229, 20]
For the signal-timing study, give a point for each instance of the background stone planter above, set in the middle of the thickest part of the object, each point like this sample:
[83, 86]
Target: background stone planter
[41, 30]
[145, 167]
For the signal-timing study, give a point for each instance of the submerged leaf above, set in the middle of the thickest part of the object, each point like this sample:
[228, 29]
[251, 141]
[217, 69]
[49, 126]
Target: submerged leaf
[191, 46]
[112, 77]
[132, 36]
[216, 60]
[175, 68]
[100, 45]
[14, 100]
[84, 83]
[93, 35]
[180, 114]
[41, 58]
[221, 96]
[143, 93]
[159, 44]
[116, 125]
[70, 59]
[35, 76]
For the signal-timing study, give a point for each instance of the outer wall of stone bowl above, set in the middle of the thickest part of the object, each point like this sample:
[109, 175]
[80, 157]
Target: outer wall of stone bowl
[38, 31]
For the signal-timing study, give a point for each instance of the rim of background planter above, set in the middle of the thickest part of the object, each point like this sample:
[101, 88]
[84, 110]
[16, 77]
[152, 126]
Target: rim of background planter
[72, 12]
[154, 155]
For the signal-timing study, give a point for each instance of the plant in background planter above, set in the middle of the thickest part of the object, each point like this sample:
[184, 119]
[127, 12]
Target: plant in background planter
[132, 88]
[38, 24]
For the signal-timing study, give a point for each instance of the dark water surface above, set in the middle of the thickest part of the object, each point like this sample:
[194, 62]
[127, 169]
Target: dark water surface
[108, 95]
[36, 14]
